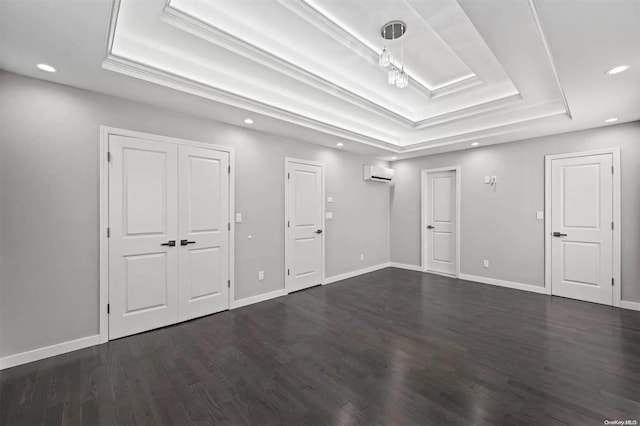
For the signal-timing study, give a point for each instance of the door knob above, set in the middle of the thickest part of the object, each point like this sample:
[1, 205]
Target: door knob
[431, 227]
[170, 243]
[185, 242]
[319, 231]
[558, 234]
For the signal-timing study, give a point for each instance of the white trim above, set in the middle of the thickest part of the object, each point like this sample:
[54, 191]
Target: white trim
[423, 209]
[257, 299]
[356, 273]
[502, 283]
[634, 306]
[287, 160]
[105, 132]
[547, 49]
[48, 351]
[406, 266]
[617, 230]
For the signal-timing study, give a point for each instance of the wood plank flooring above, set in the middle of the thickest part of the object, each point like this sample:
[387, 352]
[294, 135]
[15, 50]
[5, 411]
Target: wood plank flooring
[392, 347]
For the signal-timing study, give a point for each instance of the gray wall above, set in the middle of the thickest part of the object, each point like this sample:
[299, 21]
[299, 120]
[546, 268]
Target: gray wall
[49, 205]
[501, 226]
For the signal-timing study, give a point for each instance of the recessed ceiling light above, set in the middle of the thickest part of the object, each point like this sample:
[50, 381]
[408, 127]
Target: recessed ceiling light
[610, 120]
[475, 144]
[339, 144]
[248, 121]
[394, 158]
[46, 67]
[618, 69]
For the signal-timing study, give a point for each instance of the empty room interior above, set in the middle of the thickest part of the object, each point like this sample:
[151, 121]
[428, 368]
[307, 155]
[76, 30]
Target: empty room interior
[320, 212]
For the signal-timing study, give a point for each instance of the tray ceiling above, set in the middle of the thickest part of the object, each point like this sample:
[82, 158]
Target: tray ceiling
[315, 63]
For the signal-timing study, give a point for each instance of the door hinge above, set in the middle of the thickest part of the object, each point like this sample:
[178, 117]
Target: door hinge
[288, 271]
[229, 283]
[229, 169]
[108, 232]
[288, 175]
[611, 169]
[613, 281]
[612, 225]
[228, 226]
[288, 224]
[108, 308]
[108, 157]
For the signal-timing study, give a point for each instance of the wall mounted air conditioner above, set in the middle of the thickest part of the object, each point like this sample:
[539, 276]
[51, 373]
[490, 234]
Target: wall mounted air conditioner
[378, 174]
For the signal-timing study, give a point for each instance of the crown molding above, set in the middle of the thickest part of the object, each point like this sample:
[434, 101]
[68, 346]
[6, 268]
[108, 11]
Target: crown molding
[203, 30]
[173, 81]
[547, 49]
[347, 38]
[468, 111]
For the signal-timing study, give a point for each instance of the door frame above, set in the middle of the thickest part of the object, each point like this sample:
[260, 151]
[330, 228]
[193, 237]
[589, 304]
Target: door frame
[423, 210]
[617, 229]
[105, 132]
[287, 160]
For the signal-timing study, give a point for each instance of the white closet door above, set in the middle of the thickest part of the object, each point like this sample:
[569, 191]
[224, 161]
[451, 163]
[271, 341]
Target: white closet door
[581, 222]
[441, 222]
[143, 273]
[305, 219]
[204, 232]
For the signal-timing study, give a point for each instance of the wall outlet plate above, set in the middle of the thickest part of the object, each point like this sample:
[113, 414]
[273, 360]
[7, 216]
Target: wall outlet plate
[260, 275]
[238, 217]
[329, 199]
[487, 179]
[486, 263]
[540, 215]
[328, 215]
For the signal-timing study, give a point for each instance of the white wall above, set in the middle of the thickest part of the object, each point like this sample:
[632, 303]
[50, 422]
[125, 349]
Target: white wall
[501, 226]
[49, 172]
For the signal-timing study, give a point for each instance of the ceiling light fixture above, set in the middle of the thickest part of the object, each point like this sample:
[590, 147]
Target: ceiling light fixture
[248, 121]
[618, 69]
[610, 120]
[339, 144]
[46, 67]
[475, 144]
[396, 76]
[394, 158]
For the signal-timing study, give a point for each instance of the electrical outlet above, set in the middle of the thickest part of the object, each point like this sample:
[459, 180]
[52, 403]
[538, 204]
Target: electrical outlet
[362, 257]
[487, 179]
[260, 275]
[238, 217]
[486, 263]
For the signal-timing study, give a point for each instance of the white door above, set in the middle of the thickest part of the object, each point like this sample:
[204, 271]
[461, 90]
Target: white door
[143, 220]
[305, 225]
[581, 222]
[204, 232]
[441, 222]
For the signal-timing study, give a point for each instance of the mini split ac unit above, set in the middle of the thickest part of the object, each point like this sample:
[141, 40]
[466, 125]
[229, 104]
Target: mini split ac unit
[377, 174]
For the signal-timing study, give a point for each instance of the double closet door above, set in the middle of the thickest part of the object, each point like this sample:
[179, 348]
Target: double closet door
[169, 233]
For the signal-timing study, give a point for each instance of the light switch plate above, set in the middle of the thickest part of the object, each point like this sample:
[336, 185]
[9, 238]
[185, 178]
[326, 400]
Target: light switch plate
[328, 215]
[540, 215]
[238, 217]
[329, 199]
[487, 179]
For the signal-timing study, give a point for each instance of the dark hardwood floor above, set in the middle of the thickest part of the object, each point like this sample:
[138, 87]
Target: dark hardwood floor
[392, 347]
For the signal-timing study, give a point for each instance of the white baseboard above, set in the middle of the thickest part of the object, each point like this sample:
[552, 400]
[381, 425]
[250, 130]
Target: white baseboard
[406, 266]
[501, 283]
[635, 306]
[259, 298]
[48, 351]
[352, 274]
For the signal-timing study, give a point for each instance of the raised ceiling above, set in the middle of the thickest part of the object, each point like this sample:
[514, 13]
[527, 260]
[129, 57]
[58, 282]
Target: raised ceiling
[488, 71]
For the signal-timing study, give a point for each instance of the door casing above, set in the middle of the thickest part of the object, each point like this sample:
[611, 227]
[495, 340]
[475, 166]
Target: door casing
[423, 212]
[105, 132]
[287, 249]
[617, 229]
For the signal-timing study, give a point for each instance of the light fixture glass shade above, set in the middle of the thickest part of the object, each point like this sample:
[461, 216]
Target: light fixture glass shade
[402, 80]
[385, 58]
[392, 76]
